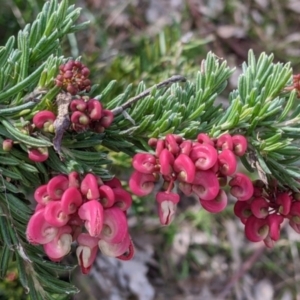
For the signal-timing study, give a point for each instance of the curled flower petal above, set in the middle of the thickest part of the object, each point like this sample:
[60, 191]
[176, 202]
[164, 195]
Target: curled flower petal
[39, 231]
[242, 209]
[241, 187]
[89, 186]
[60, 246]
[54, 214]
[240, 144]
[71, 200]
[227, 162]
[115, 226]
[123, 199]
[256, 229]
[186, 147]
[205, 156]
[166, 160]
[217, 204]
[141, 184]
[285, 202]
[114, 250]
[225, 142]
[185, 167]
[43, 119]
[260, 207]
[56, 186]
[203, 138]
[38, 154]
[78, 104]
[41, 195]
[79, 117]
[107, 118]
[107, 196]
[129, 253]
[171, 144]
[74, 180]
[113, 183]
[206, 185]
[94, 108]
[144, 163]
[160, 145]
[274, 222]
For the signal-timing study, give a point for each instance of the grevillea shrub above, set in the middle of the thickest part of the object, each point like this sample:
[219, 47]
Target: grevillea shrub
[58, 197]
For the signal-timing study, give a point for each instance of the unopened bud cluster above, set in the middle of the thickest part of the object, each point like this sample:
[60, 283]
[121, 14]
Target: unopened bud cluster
[264, 213]
[201, 167]
[88, 211]
[73, 77]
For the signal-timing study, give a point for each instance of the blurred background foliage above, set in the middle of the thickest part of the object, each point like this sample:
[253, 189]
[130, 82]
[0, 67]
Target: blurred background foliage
[199, 254]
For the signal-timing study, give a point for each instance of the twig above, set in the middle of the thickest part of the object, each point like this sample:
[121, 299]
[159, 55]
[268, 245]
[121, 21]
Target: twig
[176, 78]
[243, 269]
[62, 122]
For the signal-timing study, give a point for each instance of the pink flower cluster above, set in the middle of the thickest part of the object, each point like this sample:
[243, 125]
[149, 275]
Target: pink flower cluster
[85, 114]
[88, 211]
[73, 77]
[200, 167]
[90, 115]
[264, 213]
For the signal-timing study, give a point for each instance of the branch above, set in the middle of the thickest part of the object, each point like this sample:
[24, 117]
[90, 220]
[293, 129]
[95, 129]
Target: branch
[176, 78]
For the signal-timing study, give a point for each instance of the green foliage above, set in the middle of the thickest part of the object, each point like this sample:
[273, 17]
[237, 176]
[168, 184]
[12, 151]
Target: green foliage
[260, 108]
